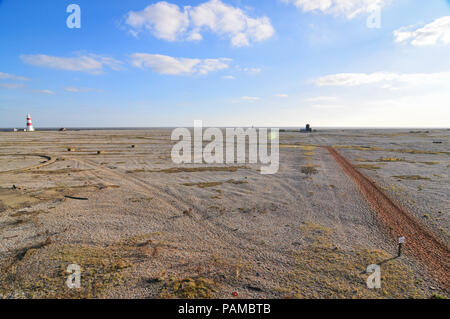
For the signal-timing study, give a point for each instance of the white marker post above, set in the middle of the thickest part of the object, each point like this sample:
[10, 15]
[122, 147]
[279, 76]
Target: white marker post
[401, 241]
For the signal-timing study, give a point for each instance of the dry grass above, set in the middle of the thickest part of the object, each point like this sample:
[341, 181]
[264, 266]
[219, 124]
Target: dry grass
[22, 213]
[213, 184]
[429, 163]
[199, 169]
[189, 288]
[411, 177]
[371, 148]
[17, 199]
[39, 270]
[391, 159]
[302, 147]
[323, 270]
[57, 171]
[101, 269]
[205, 278]
[309, 170]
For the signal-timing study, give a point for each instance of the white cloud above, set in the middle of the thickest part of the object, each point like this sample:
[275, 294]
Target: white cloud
[250, 98]
[384, 79]
[11, 85]
[48, 92]
[81, 90]
[87, 63]
[175, 66]
[164, 20]
[436, 32]
[251, 71]
[282, 95]
[228, 77]
[6, 76]
[348, 8]
[167, 21]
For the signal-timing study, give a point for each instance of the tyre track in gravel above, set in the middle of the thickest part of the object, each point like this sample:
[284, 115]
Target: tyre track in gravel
[211, 229]
[421, 243]
[135, 183]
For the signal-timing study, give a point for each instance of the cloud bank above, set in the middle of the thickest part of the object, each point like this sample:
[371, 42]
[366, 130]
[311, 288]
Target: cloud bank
[436, 32]
[348, 8]
[91, 63]
[169, 22]
[6, 76]
[164, 64]
[384, 79]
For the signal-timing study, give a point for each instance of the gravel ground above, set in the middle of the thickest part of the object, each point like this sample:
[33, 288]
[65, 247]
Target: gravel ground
[146, 232]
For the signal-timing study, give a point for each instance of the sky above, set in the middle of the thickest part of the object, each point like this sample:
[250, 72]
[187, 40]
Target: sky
[266, 63]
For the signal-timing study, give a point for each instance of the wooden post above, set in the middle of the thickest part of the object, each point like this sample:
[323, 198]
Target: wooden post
[401, 241]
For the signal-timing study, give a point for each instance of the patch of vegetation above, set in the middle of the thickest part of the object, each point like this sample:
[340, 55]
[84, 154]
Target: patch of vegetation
[308, 148]
[139, 170]
[411, 177]
[309, 170]
[323, 270]
[57, 171]
[199, 169]
[429, 163]
[39, 270]
[371, 148]
[367, 166]
[437, 296]
[14, 223]
[391, 159]
[204, 278]
[204, 184]
[22, 213]
[140, 199]
[189, 288]
[213, 184]
[302, 147]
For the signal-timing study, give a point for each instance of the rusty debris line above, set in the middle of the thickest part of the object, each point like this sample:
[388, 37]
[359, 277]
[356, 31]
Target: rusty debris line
[421, 243]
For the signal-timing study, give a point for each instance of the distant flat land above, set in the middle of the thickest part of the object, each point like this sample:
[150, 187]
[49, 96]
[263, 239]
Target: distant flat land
[142, 227]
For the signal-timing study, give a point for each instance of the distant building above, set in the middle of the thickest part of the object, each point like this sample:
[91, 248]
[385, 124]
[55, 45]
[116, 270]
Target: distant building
[306, 129]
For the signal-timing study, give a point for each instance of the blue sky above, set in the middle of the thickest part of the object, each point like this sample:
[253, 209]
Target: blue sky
[228, 63]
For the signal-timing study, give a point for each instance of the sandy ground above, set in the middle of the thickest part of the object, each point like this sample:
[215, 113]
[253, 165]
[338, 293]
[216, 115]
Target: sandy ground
[141, 229]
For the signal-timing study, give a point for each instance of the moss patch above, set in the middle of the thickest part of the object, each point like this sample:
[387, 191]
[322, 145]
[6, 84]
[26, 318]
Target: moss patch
[411, 177]
[367, 166]
[199, 169]
[39, 271]
[213, 184]
[323, 270]
[309, 170]
[189, 288]
[371, 148]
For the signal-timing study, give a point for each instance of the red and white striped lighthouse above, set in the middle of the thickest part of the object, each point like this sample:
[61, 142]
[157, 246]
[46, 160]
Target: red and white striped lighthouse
[30, 127]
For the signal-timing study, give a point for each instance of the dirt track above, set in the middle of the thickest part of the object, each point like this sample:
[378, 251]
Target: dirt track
[420, 242]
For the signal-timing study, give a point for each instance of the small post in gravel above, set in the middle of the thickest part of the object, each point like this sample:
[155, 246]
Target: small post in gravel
[401, 241]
